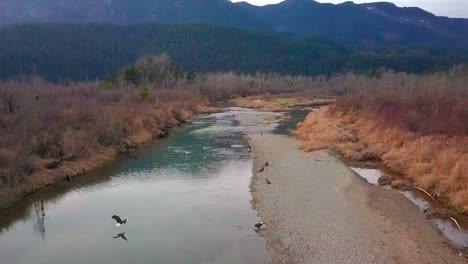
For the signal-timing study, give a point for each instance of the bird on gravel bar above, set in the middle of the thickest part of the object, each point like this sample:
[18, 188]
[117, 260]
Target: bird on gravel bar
[262, 169]
[266, 164]
[258, 225]
[268, 181]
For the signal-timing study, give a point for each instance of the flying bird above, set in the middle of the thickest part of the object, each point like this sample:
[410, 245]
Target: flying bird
[258, 225]
[121, 235]
[119, 220]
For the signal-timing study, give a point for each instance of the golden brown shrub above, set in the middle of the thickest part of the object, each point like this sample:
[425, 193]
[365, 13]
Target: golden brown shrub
[438, 163]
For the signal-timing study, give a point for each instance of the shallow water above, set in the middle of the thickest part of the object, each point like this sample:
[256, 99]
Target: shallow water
[458, 236]
[371, 175]
[186, 199]
[293, 118]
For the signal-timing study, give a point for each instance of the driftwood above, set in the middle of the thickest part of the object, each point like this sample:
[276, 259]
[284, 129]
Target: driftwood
[456, 222]
[426, 192]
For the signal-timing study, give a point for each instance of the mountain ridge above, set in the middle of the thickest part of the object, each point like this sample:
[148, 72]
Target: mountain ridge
[371, 24]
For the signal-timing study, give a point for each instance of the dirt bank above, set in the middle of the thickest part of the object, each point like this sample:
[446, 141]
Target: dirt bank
[317, 211]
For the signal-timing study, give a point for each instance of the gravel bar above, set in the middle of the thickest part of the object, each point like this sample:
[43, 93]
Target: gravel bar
[317, 211]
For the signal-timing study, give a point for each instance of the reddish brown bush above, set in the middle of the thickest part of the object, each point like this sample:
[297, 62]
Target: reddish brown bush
[47, 124]
[431, 104]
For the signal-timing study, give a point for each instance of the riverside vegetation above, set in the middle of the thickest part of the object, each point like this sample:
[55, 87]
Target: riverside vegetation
[415, 125]
[51, 132]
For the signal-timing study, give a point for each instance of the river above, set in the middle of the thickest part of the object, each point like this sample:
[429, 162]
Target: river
[186, 198]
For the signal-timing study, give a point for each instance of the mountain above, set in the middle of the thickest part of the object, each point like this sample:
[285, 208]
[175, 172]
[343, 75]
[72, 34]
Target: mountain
[92, 51]
[375, 24]
[372, 25]
[217, 12]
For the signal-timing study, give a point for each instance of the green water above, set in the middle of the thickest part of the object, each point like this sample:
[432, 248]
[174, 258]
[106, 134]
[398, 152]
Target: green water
[186, 199]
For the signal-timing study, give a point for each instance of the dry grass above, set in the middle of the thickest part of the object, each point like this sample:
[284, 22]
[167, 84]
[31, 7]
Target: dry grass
[416, 125]
[50, 132]
[438, 163]
[278, 102]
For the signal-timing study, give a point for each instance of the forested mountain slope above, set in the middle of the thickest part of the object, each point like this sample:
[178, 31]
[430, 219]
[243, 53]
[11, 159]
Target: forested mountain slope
[374, 25]
[88, 51]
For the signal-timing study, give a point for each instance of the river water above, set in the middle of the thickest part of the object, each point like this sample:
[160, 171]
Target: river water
[186, 199]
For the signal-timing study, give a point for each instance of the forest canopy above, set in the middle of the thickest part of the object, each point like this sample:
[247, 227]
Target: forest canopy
[75, 52]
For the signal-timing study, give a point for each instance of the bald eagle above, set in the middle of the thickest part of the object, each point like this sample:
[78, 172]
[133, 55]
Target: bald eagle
[258, 225]
[119, 220]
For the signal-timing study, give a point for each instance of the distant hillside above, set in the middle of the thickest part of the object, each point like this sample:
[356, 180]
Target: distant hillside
[375, 24]
[216, 12]
[372, 25]
[89, 51]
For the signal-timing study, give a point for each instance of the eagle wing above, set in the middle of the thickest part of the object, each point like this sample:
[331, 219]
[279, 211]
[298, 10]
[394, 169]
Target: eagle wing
[117, 218]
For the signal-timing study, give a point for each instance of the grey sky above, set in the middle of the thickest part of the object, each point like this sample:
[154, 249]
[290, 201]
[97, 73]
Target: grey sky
[450, 8]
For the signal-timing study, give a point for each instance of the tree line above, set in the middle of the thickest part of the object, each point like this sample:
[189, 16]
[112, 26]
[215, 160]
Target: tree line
[76, 52]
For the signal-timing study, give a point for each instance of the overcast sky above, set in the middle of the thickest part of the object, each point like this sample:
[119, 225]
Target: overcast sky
[450, 8]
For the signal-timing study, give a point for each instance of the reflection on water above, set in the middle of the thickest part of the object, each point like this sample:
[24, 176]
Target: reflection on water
[39, 225]
[421, 202]
[187, 200]
[460, 237]
[371, 175]
[122, 236]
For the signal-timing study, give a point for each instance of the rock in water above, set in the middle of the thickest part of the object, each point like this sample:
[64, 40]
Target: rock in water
[385, 180]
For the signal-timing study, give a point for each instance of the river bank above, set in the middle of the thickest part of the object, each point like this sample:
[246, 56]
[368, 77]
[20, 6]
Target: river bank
[53, 171]
[186, 199]
[317, 211]
[435, 163]
[281, 102]
[60, 141]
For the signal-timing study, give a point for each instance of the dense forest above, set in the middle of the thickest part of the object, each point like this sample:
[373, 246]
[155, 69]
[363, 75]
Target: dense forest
[61, 52]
